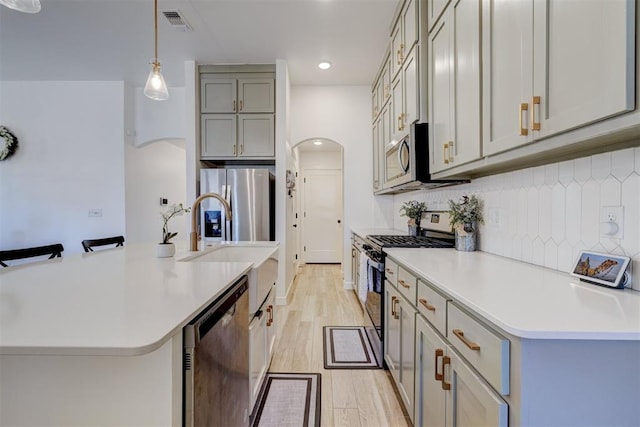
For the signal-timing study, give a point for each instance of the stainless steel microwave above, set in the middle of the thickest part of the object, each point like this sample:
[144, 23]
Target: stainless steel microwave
[406, 163]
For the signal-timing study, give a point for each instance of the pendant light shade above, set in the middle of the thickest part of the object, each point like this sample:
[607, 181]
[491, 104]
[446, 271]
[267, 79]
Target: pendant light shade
[156, 88]
[28, 6]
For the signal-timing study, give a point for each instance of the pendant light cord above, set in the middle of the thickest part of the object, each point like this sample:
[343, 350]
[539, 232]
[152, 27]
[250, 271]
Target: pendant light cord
[155, 16]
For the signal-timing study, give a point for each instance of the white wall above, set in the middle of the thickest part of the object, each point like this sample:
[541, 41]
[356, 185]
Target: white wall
[320, 159]
[159, 120]
[341, 114]
[152, 171]
[70, 159]
[547, 214]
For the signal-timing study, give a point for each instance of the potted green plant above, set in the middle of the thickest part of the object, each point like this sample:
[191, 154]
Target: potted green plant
[464, 217]
[413, 209]
[166, 248]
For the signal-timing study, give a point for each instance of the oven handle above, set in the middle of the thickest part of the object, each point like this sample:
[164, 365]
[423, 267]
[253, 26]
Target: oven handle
[372, 262]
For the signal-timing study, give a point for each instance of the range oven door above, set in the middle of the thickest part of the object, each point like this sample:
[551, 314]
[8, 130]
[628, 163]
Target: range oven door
[374, 303]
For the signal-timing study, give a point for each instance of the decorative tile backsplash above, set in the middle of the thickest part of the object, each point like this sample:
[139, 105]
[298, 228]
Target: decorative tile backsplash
[545, 215]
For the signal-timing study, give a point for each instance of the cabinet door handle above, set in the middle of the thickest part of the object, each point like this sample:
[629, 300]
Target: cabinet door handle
[393, 306]
[446, 360]
[270, 317]
[241, 105]
[234, 149]
[445, 153]
[389, 271]
[426, 304]
[241, 148]
[397, 315]
[450, 151]
[523, 107]
[439, 353]
[234, 106]
[400, 122]
[401, 53]
[535, 101]
[472, 345]
[404, 284]
[398, 57]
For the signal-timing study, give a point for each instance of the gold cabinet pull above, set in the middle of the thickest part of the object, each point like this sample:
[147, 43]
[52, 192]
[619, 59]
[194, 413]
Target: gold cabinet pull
[389, 271]
[439, 353]
[445, 153]
[398, 57]
[404, 284]
[426, 304]
[446, 360]
[450, 151]
[234, 106]
[269, 315]
[234, 149]
[241, 105]
[401, 53]
[386, 91]
[523, 107]
[400, 122]
[470, 344]
[535, 101]
[397, 301]
[241, 148]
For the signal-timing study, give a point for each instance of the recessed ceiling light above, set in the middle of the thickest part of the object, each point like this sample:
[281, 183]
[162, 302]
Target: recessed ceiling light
[324, 65]
[317, 143]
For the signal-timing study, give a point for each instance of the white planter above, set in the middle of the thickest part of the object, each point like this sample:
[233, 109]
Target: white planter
[165, 250]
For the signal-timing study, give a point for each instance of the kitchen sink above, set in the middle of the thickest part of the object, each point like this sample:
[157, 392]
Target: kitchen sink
[263, 273]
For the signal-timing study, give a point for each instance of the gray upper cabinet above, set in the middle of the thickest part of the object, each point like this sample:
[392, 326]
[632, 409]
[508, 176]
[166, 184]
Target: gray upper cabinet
[256, 96]
[237, 106]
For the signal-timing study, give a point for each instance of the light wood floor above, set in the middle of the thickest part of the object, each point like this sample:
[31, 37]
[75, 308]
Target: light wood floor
[349, 397]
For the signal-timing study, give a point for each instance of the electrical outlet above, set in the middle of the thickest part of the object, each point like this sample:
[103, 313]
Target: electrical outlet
[611, 222]
[95, 213]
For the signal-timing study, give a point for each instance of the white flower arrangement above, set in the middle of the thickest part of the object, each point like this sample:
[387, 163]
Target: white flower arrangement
[173, 210]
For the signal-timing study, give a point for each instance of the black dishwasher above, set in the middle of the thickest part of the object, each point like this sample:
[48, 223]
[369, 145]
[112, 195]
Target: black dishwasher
[216, 362]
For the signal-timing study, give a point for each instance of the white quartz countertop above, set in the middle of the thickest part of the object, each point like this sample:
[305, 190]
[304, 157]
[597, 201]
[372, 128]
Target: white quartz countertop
[120, 301]
[526, 300]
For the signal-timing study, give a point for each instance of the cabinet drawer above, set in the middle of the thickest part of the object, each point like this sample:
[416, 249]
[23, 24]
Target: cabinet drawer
[391, 271]
[432, 306]
[487, 351]
[407, 284]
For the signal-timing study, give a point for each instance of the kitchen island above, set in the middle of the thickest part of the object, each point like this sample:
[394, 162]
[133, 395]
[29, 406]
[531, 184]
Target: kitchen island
[97, 338]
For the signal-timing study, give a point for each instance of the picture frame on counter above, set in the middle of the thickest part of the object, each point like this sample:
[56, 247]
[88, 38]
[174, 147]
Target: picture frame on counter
[602, 269]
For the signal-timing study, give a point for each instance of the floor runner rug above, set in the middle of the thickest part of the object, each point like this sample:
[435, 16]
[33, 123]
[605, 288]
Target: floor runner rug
[289, 399]
[348, 347]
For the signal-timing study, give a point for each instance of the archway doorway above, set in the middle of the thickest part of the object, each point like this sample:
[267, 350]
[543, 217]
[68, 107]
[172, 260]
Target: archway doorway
[320, 200]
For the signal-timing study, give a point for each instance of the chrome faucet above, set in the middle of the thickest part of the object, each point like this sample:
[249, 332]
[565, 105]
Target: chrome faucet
[194, 212]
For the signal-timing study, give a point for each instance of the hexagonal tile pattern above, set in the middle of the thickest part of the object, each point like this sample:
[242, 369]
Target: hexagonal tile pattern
[622, 163]
[601, 166]
[565, 172]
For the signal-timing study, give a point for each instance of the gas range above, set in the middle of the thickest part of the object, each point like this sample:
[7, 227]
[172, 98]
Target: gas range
[390, 241]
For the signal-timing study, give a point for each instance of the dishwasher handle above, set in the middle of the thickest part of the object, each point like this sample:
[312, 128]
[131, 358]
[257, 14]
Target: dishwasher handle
[224, 305]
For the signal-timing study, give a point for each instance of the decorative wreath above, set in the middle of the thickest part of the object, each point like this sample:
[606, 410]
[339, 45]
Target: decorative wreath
[8, 143]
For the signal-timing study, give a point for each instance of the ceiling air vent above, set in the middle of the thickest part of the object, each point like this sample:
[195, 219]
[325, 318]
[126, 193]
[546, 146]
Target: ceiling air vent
[176, 20]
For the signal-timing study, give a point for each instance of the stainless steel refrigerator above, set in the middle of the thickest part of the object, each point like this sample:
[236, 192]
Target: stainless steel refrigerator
[250, 192]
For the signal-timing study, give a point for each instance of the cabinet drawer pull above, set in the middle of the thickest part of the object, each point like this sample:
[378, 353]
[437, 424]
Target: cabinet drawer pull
[472, 345]
[426, 304]
[389, 271]
[241, 105]
[439, 353]
[523, 107]
[535, 101]
[404, 284]
[445, 153]
[446, 360]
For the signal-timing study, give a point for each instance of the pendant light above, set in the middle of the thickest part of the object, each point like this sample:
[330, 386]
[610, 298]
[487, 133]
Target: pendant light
[156, 88]
[28, 6]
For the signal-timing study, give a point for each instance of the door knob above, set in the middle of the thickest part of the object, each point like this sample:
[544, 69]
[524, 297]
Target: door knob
[339, 222]
[295, 225]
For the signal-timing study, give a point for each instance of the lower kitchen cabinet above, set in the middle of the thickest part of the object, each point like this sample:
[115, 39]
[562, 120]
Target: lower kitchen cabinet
[448, 392]
[261, 345]
[400, 341]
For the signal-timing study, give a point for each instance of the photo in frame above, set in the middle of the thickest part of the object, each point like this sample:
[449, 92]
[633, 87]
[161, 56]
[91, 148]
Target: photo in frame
[602, 269]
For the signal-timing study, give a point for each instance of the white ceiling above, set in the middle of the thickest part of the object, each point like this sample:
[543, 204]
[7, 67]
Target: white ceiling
[113, 39]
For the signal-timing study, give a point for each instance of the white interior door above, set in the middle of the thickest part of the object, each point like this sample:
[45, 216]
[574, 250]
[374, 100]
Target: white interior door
[322, 216]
